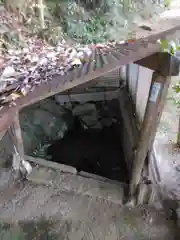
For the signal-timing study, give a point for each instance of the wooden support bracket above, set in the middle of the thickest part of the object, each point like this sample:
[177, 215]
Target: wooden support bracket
[154, 108]
[156, 62]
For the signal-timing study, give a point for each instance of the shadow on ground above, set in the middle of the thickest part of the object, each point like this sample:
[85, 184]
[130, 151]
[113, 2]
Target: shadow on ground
[28, 230]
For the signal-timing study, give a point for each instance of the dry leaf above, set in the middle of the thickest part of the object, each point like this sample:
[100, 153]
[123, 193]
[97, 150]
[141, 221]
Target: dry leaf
[8, 72]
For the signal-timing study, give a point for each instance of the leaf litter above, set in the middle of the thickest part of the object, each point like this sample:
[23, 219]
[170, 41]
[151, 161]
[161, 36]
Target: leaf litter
[21, 70]
[36, 65]
[36, 62]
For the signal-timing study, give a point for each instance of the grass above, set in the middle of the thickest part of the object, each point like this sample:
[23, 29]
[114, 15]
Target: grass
[83, 23]
[111, 20]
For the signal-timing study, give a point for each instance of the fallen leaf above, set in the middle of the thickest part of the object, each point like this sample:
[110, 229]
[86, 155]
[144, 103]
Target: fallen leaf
[8, 72]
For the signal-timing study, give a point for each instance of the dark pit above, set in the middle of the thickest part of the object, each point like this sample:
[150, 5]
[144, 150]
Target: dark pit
[87, 136]
[93, 150]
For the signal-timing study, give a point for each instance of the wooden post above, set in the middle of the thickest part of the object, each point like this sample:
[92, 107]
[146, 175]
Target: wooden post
[15, 133]
[155, 105]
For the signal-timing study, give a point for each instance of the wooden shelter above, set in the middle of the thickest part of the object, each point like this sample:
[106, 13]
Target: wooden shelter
[145, 51]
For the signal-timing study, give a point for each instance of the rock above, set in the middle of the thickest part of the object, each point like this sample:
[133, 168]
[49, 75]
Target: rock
[88, 113]
[87, 108]
[52, 126]
[50, 104]
[91, 121]
[41, 125]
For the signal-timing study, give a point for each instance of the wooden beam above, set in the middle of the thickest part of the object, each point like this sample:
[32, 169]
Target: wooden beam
[50, 164]
[155, 105]
[5, 120]
[61, 84]
[156, 61]
[15, 133]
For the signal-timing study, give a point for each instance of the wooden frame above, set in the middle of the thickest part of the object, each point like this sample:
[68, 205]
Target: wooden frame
[112, 58]
[152, 116]
[156, 101]
[145, 51]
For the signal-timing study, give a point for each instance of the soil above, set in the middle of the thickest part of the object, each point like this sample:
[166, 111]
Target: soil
[70, 207]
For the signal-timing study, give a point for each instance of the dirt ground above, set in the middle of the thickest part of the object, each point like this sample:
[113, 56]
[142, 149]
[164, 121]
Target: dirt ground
[67, 206]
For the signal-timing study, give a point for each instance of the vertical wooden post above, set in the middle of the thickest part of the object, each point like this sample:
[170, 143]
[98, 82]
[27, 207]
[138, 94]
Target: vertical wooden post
[15, 132]
[155, 105]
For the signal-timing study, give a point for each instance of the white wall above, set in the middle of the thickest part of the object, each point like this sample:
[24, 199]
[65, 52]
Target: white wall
[143, 87]
[139, 81]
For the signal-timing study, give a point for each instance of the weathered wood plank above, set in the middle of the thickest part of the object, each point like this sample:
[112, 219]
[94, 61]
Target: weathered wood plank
[128, 127]
[156, 61]
[15, 133]
[155, 105]
[85, 97]
[54, 165]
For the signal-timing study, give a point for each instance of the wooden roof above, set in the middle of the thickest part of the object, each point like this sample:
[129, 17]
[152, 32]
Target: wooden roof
[104, 59]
